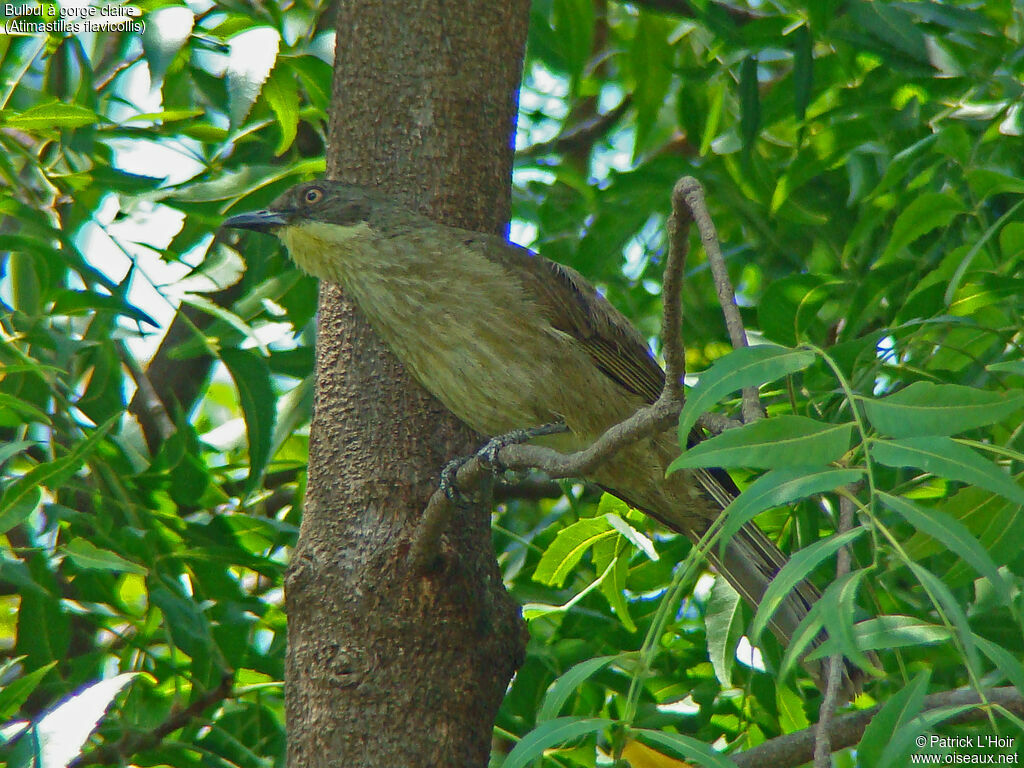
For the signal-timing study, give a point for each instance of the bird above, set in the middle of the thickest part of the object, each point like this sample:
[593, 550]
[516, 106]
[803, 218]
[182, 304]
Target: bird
[508, 340]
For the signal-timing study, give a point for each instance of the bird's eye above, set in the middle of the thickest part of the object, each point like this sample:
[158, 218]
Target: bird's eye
[313, 195]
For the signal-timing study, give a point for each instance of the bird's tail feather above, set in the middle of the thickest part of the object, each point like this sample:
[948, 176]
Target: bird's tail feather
[689, 502]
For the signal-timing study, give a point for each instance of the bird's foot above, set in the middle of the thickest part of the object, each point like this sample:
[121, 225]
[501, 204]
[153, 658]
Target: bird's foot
[488, 455]
[489, 459]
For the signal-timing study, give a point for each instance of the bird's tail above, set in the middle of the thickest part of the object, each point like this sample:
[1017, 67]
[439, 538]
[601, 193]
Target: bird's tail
[688, 502]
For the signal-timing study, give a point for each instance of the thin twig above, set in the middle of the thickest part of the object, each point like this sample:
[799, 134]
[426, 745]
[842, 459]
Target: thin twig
[148, 407]
[584, 133]
[752, 410]
[716, 423]
[846, 730]
[672, 312]
[531, 488]
[834, 674]
[134, 742]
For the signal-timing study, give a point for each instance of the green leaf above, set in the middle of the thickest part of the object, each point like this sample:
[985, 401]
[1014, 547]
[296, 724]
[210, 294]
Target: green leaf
[22, 407]
[793, 573]
[803, 70]
[49, 116]
[723, 621]
[684, 747]
[651, 59]
[166, 32]
[87, 555]
[992, 519]
[750, 104]
[944, 601]
[838, 608]
[1005, 661]
[925, 408]
[282, 94]
[900, 709]
[573, 23]
[568, 547]
[713, 119]
[19, 510]
[807, 635]
[14, 693]
[63, 731]
[550, 734]
[791, 709]
[953, 534]
[946, 458]
[1010, 366]
[745, 367]
[892, 26]
[985, 182]
[631, 534]
[892, 631]
[611, 561]
[567, 683]
[51, 474]
[905, 738]
[779, 442]
[788, 311]
[251, 56]
[256, 394]
[927, 212]
[779, 487]
[166, 116]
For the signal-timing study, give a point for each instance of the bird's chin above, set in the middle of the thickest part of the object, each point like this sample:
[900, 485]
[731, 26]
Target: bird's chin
[323, 250]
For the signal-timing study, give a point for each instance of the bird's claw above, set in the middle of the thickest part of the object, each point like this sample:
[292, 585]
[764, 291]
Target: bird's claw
[449, 483]
[488, 456]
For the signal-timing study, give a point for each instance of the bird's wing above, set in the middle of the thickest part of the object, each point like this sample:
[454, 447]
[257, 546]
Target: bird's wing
[573, 306]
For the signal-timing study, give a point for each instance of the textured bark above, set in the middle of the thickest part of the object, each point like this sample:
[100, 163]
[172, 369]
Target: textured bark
[387, 667]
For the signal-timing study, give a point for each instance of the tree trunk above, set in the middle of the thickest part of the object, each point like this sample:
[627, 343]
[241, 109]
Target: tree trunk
[387, 667]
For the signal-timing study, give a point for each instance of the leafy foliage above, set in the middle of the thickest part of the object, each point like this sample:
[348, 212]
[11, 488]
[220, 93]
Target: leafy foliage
[862, 162]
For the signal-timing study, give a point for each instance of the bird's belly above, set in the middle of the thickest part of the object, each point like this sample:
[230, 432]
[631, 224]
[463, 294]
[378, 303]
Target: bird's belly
[501, 370]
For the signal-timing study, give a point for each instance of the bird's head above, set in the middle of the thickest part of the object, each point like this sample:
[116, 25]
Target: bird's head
[325, 224]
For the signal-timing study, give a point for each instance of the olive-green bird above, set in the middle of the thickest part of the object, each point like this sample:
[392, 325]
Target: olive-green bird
[507, 339]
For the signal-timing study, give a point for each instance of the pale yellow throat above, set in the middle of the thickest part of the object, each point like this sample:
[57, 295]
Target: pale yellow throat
[320, 248]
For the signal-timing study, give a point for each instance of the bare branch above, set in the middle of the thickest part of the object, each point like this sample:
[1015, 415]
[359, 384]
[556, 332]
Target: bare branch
[834, 668]
[672, 312]
[716, 423]
[149, 409]
[532, 488]
[694, 192]
[584, 133]
[845, 731]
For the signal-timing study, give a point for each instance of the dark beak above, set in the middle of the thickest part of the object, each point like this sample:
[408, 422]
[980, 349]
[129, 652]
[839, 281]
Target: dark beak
[259, 221]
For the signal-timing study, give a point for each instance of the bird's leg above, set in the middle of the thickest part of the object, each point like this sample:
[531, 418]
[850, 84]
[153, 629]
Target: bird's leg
[489, 459]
